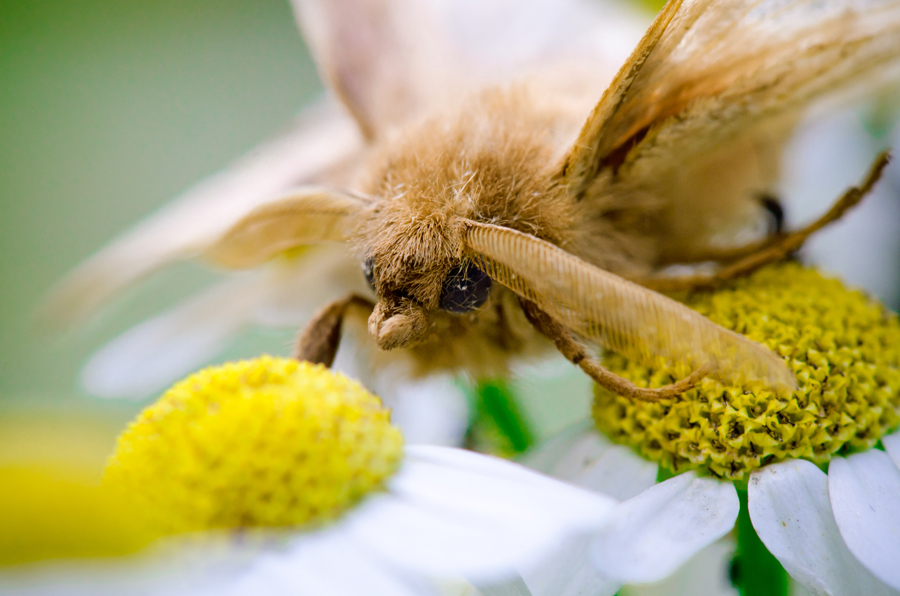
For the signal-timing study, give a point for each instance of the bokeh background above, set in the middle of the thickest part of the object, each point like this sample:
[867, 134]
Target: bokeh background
[109, 108]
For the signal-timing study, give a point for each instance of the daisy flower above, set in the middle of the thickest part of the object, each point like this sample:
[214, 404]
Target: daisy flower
[303, 467]
[61, 530]
[802, 472]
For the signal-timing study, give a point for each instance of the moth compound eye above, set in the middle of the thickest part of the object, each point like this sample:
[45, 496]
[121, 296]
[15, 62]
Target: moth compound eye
[368, 268]
[466, 288]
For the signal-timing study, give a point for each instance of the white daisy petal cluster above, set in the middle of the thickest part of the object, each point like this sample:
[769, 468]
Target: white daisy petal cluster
[835, 532]
[654, 530]
[310, 461]
[447, 513]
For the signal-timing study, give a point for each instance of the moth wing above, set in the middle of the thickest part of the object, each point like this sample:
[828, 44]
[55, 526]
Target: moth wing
[316, 149]
[307, 215]
[152, 355]
[499, 39]
[388, 60]
[715, 85]
[594, 142]
[617, 314]
[384, 59]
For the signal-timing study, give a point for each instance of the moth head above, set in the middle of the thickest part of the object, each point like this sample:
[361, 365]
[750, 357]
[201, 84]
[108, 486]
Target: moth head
[418, 271]
[415, 263]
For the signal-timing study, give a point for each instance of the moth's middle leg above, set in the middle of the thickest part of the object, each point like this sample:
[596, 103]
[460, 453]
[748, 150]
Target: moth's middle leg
[318, 341]
[776, 248]
[576, 353]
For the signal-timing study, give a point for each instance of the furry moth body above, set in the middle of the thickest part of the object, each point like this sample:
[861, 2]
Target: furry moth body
[489, 218]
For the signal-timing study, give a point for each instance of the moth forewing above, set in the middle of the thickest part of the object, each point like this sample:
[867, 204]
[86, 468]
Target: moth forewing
[585, 158]
[618, 314]
[713, 74]
[385, 59]
[302, 216]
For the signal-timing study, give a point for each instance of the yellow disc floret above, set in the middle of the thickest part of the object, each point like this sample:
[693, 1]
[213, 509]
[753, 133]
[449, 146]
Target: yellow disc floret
[266, 442]
[49, 512]
[843, 347]
[52, 503]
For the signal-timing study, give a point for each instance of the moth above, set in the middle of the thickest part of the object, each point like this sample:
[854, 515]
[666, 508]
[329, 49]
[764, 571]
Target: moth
[500, 212]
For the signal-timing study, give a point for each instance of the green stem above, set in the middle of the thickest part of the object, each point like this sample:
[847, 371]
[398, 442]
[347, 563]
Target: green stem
[755, 572]
[496, 403]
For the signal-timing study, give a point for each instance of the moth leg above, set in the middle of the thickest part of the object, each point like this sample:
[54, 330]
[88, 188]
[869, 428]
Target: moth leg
[318, 341]
[779, 247]
[575, 352]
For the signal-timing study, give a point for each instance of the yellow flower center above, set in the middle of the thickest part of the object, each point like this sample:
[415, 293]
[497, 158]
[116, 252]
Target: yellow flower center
[48, 512]
[843, 347]
[266, 442]
[52, 504]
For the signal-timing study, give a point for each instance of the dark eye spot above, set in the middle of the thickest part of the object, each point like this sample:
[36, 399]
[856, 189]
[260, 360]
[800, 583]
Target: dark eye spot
[368, 268]
[466, 288]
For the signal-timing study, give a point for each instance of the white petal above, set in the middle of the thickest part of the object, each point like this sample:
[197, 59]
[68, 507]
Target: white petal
[569, 571]
[432, 411]
[514, 587]
[352, 570]
[865, 500]
[828, 150]
[463, 459]
[706, 574]
[163, 570]
[503, 35]
[151, 356]
[795, 588]
[557, 500]
[584, 457]
[457, 587]
[892, 446]
[300, 286]
[472, 515]
[272, 577]
[147, 358]
[547, 456]
[791, 513]
[654, 533]
[435, 542]
[326, 563]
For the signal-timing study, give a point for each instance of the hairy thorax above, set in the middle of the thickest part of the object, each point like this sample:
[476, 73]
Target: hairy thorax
[489, 160]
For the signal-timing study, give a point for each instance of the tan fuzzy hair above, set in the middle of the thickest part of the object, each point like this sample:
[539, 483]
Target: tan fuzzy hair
[490, 160]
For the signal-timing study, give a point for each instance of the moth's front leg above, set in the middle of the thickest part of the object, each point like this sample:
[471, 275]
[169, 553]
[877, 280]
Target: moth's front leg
[318, 341]
[576, 353]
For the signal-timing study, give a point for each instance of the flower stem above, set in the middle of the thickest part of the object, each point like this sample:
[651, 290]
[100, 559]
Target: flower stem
[496, 405]
[754, 571]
